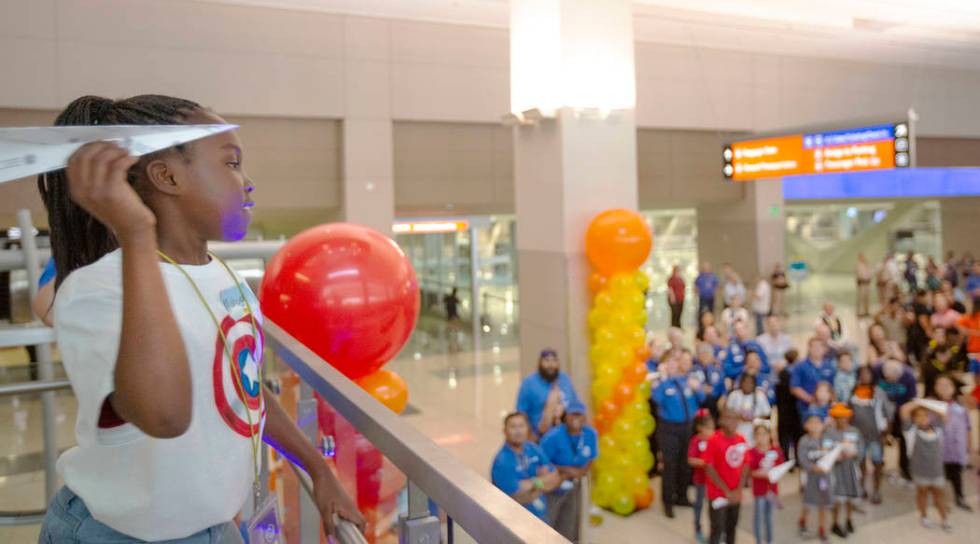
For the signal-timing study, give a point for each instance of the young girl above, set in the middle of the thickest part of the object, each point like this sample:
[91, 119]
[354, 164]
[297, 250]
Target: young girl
[762, 458]
[822, 397]
[845, 475]
[845, 378]
[748, 403]
[956, 437]
[161, 341]
[704, 427]
[924, 440]
[872, 412]
[815, 481]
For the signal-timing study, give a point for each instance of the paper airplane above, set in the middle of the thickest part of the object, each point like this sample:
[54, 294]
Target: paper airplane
[777, 472]
[826, 463]
[653, 376]
[937, 406]
[32, 150]
[719, 503]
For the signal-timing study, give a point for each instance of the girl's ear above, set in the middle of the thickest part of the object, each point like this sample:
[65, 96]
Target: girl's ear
[162, 177]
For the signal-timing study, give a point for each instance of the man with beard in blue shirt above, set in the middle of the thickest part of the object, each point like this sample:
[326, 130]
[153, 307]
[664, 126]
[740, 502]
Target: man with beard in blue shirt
[544, 396]
[807, 373]
[522, 470]
[571, 446]
[740, 345]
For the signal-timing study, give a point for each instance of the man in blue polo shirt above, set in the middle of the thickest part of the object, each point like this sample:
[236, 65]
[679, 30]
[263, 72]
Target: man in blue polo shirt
[809, 372]
[678, 397]
[522, 470]
[571, 446]
[741, 344]
[707, 285]
[544, 396]
[709, 372]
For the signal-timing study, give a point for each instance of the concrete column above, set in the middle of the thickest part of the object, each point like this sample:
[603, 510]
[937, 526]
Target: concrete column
[368, 188]
[569, 168]
[750, 233]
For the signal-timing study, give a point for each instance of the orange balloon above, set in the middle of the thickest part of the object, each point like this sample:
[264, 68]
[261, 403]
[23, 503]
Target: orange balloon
[644, 499]
[623, 393]
[386, 386]
[635, 374]
[597, 281]
[644, 353]
[608, 410]
[602, 423]
[618, 240]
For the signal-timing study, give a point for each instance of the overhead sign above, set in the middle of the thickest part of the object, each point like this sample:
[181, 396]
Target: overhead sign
[875, 147]
[430, 227]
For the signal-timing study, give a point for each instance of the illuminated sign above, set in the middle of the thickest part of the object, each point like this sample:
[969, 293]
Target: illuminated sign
[430, 227]
[875, 147]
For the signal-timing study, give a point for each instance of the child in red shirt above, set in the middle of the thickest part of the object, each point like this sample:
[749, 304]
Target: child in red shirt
[704, 427]
[727, 470]
[762, 458]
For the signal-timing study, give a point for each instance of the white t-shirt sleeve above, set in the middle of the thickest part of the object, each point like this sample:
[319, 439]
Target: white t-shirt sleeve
[88, 323]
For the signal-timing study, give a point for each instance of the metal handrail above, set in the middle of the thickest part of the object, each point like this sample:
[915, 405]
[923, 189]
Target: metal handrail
[30, 335]
[24, 388]
[347, 533]
[485, 512]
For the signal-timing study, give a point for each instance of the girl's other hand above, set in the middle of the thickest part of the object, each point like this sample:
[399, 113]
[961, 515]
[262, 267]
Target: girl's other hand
[331, 499]
[97, 182]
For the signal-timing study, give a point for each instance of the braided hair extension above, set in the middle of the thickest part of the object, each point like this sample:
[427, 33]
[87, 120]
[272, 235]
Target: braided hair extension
[77, 238]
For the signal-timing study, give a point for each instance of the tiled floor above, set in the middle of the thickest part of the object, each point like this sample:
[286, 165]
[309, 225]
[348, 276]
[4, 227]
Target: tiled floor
[458, 400]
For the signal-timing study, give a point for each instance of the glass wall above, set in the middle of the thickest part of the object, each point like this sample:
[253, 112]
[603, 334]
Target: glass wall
[675, 242]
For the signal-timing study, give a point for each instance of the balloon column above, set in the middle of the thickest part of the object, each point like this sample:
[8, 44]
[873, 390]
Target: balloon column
[350, 294]
[617, 243]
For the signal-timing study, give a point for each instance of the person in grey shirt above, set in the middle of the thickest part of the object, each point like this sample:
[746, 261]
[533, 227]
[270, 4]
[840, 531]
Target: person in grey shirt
[925, 444]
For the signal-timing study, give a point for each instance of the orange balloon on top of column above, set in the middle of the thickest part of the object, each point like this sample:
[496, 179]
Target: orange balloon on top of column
[618, 240]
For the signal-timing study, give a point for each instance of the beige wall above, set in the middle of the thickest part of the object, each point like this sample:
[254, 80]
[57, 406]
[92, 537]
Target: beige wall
[453, 168]
[681, 168]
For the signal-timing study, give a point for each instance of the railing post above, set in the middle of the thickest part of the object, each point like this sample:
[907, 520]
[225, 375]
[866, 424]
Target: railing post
[306, 417]
[419, 526]
[28, 245]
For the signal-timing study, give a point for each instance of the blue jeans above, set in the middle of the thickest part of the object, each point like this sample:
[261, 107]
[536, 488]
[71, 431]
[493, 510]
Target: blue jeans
[698, 506]
[762, 519]
[68, 521]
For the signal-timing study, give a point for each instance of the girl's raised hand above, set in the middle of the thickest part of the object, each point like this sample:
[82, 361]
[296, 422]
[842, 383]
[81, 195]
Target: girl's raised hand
[97, 182]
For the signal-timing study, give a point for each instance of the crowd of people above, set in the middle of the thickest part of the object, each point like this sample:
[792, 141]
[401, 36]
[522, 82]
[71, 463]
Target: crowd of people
[743, 398]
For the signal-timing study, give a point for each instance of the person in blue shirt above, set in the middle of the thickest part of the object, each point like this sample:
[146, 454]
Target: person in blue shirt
[753, 367]
[898, 382]
[807, 373]
[522, 470]
[678, 397]
[544, 396]
[741, 344]
[973, 281]
[709, 372]
[706, 284]
[571, 447]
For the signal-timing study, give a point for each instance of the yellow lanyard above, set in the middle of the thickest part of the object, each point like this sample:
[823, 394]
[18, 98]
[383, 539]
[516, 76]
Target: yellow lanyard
[256, 437]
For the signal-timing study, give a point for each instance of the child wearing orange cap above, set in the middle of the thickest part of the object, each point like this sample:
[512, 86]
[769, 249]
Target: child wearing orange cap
[845, 475]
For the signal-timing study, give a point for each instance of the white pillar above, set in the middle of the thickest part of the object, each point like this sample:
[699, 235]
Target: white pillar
[573, 61]
[368, 189]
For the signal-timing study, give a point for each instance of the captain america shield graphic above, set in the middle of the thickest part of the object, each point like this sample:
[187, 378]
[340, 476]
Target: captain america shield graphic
[239, 404]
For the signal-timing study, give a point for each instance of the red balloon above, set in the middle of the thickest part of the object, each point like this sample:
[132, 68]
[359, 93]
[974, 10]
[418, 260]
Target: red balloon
[347, 292]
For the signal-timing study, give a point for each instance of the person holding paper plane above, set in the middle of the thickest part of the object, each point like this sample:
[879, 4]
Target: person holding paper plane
[704, 428]
[152, 328]
[846, 476]
[727, 471]
[872, 413]
[816, 480]
[924, 436]
[956, 435]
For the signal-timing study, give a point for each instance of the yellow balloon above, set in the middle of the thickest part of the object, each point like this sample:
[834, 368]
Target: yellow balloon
[607, 443]
[602, 388]
[599, 317]
[623, 426]
[607, 373]
[641, 280]
[635, 338]
[623, 504]
[605, 335]
[636, 409]
[640, 318]
[646, 461]
[600, 351]
[643, 391]
[646, 425]
[604, 300]
[622, 282]
[601, 497]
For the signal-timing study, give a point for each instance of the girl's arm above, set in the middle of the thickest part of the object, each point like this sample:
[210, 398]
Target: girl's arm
[283, 434]
[151, 380]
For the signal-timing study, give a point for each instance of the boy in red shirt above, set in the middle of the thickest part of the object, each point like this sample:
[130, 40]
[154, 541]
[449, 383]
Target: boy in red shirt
[727, 470]
[704, 427]
[762, 458]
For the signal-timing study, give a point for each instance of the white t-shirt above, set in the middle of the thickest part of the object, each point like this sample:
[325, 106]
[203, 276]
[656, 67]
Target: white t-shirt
[762, 301]
[754, 406]
[149, 488]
